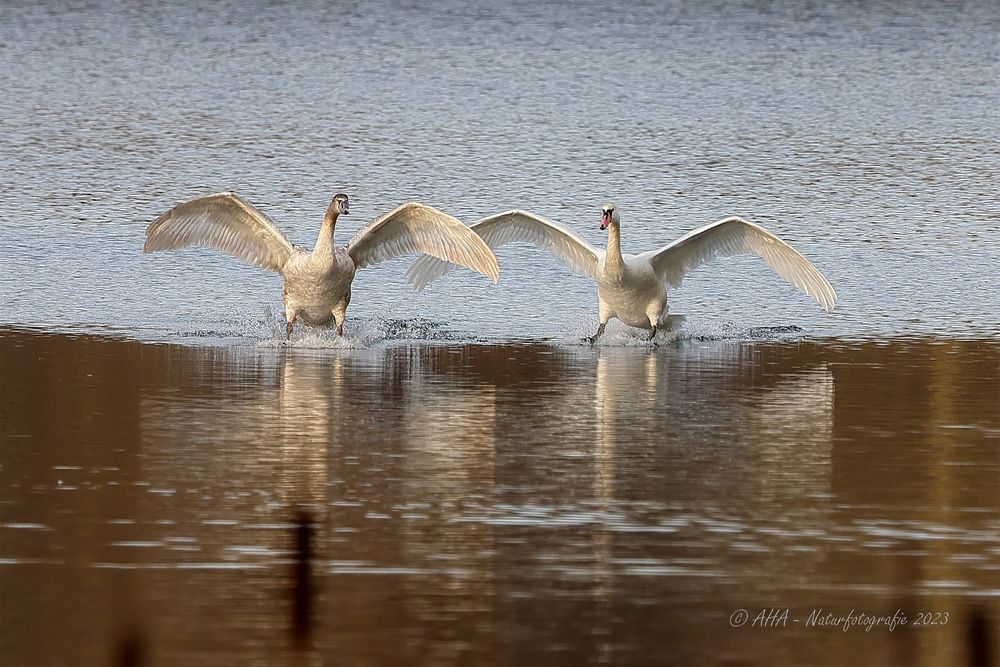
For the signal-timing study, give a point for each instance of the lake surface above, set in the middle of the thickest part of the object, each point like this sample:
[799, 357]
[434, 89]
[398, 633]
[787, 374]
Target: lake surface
[497, 504]
[459, 480]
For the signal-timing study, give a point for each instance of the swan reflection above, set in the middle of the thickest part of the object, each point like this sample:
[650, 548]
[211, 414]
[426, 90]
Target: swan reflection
[470, 493]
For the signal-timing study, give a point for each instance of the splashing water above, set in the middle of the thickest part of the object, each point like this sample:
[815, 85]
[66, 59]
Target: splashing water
[358, 334]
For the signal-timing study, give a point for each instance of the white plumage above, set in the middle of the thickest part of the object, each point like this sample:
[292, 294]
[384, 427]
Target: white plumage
[511, 227]
[633, 288]
[317, 283]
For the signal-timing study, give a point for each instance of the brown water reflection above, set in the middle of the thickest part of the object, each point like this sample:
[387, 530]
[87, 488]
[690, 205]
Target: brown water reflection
[517, 505]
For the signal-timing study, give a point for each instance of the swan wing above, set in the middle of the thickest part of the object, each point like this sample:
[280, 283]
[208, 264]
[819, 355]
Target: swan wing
[225, 222]
[415, 227]
[735, 236]
[510, 227]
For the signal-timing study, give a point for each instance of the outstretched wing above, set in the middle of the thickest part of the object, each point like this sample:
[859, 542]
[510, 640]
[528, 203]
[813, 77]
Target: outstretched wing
[224, 222]
[735, 236]
[512, 226]
[414, 227]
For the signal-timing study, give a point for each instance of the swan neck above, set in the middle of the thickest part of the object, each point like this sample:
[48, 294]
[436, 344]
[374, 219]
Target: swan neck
[324, 243]
[613, 260]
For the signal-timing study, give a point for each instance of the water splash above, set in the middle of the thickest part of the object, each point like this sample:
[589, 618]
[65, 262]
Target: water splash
[620, 335]
[358, 334]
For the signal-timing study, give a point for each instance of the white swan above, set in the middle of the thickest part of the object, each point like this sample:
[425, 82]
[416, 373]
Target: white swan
[317, 284]
[633, 288]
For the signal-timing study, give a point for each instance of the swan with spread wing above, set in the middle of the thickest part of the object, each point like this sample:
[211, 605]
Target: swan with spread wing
[633, 288]
[317, 283]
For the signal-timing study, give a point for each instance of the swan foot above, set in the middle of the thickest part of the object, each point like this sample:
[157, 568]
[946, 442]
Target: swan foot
[340, 329]
[600, 332]
[652, 335]
[288, 331]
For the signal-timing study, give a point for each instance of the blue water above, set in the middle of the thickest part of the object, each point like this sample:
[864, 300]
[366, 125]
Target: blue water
[864, 135]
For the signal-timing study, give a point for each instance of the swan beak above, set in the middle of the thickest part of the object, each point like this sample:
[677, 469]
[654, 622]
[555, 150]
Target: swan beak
[605, 219]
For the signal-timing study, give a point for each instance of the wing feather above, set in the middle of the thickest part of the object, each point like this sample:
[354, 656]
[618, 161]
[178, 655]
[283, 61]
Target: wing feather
[225, 222]
[510, 227]
[735, 236]
[415, 227]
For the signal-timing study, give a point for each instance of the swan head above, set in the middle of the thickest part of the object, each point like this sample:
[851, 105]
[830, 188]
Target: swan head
[609, 216]
[340, 204]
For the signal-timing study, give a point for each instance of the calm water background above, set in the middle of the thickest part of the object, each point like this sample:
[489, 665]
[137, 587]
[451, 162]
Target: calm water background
[485, 489]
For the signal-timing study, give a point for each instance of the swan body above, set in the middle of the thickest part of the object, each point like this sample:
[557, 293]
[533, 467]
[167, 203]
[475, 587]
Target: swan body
[633, 288]
[631, 293]
[317, 288]
[317, 283]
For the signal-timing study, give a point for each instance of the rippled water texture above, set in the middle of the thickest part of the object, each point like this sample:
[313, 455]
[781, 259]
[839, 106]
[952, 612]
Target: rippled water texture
[460, 480]
[863, 134]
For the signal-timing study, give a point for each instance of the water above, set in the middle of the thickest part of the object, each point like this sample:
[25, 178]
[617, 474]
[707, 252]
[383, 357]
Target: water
[512, 504]
[863, 135]
[482, 487]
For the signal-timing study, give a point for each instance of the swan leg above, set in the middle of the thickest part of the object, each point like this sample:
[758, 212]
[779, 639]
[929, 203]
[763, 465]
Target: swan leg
[340, 312]
[338, 321]
[604, 313]
[291, 314]
[652, 334]
[600, 332]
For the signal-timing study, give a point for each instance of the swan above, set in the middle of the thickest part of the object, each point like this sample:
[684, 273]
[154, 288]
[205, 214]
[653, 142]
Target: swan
[633, 288]
[317, 284]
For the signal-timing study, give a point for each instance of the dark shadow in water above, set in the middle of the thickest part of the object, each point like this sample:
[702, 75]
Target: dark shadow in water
[981, 635]
[131, 651]
[303, 587]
